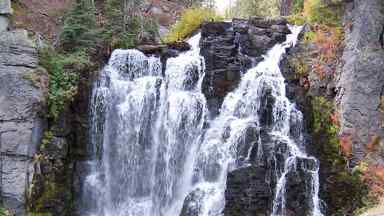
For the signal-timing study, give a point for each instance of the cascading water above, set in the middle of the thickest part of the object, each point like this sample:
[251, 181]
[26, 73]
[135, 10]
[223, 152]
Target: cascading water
[146, 126]
[156, 153]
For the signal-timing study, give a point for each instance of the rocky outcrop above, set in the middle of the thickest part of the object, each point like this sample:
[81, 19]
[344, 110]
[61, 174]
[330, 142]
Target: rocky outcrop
[251, 189]
[360, 96]
[230, 48]
[21, 100]
[248, 192]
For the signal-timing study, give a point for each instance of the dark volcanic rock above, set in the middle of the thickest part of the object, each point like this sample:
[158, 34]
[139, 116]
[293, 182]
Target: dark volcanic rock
[299, 188]
[230, 48]
[248, 192]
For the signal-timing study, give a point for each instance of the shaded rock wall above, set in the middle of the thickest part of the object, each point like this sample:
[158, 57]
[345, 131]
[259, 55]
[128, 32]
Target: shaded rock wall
[361, 83]
[20, 124]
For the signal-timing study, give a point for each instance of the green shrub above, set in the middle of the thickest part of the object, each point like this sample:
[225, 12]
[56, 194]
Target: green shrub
[190, 21]
[297, 19]
[63, 73]
[297, 6]
[316, 11]
[309, 36]
[300, 67]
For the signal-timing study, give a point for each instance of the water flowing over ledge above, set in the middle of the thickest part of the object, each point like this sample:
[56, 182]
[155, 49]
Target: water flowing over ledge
[158, 154]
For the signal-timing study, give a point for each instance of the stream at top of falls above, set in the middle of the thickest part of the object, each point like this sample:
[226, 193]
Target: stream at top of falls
[157, 153]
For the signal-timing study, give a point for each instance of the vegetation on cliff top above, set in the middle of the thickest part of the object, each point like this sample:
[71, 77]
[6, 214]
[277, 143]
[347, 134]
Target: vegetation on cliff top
[247, 8]
[189, 22]
[317, 12]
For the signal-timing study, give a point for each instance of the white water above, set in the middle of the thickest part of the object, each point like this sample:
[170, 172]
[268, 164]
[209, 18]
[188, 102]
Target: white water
[154, 151]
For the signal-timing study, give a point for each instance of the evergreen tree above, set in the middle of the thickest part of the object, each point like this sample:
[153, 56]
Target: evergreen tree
[246, 8]
[126, 26]
[79, 31]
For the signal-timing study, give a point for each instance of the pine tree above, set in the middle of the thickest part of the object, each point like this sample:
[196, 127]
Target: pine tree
[79, 31]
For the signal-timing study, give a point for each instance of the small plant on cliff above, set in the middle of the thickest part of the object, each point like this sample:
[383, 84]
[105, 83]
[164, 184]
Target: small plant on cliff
[63, 73]
[190, 21]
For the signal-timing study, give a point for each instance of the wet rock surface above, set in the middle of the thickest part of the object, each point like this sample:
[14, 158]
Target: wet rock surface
[230, 48]
[21, 126]
[248, 192]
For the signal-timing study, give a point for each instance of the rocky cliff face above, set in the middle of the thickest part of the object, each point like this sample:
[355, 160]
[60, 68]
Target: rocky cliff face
[230, 48]
[21, 100]
[360, 87]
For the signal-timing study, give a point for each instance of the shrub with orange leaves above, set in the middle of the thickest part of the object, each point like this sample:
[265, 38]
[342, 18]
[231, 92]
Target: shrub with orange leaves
[328, 39]
[329, 42]
[320, 71]
[346, 144]
[335, 119]
[374, 143]
[373, 176]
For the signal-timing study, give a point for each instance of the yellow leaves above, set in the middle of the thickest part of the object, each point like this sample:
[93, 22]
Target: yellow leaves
[190, 21]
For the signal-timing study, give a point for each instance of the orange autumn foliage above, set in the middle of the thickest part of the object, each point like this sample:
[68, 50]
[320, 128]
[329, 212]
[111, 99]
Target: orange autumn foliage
[374, 178]
[335, 119]
[346, 144]
[329, 42]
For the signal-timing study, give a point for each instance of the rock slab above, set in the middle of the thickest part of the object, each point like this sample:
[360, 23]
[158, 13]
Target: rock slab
[20, 124]
[361, 84]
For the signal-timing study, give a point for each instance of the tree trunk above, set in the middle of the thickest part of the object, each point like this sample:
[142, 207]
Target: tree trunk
[286, 7]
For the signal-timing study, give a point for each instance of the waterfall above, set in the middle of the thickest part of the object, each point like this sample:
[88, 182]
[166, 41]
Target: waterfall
[157, 153]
